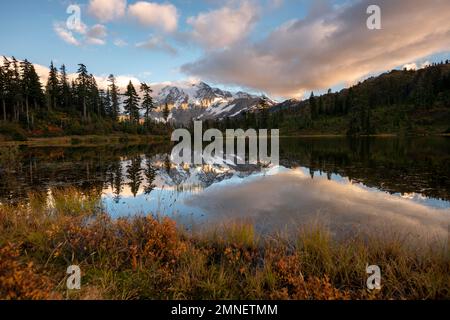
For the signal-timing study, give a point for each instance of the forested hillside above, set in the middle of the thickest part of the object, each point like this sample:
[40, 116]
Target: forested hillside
[400, 101]
[64, 107]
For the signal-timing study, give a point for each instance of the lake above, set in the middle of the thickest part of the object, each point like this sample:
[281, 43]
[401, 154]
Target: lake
[390, 184]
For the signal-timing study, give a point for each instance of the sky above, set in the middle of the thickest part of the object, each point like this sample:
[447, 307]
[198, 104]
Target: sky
[282, 48]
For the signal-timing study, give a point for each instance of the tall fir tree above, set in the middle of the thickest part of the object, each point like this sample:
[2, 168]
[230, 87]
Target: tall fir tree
[107, 103]
[3, 89]
[82, 84]
[131, 103]
[147, 102]
[16, 89]
[32, 90]
[64, 89]
[94, 97]
[114, 94]
[102, 102]
[8, 88]
[313, 106]
[52, 88]
[263, 110]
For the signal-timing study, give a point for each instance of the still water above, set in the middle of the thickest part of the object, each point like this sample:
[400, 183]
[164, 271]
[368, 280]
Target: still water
[386, 183]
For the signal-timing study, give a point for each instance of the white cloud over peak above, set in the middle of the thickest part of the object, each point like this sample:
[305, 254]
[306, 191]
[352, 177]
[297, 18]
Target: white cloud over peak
[225, 26]
[330, 47]
[107, 10]
[150, 14]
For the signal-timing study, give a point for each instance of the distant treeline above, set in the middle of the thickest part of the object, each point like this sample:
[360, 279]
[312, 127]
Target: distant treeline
[70, 107]
[400, 101]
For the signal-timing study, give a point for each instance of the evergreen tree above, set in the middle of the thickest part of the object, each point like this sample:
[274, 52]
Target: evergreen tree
[107, 103]
[263, 110]
[52, 88]
[131, 103]
[94, 96]
[3, 89]
[31, 87]
[64, 89]
[8, 89]
[114, 94]
[321, 107]
[313, 106]
[16, 89]
[147, 101]
[102, 102]
[82, 85]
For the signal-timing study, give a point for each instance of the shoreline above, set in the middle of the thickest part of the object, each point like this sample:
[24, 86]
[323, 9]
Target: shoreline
[96, 140]
[85, 141]
[378, 135]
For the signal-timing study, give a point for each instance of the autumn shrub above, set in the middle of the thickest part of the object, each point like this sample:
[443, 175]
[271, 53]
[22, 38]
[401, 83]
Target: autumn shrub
[148, 257]
[20, 279]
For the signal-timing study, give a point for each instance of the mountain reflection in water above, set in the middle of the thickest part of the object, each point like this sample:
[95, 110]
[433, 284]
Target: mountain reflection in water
[364, 183]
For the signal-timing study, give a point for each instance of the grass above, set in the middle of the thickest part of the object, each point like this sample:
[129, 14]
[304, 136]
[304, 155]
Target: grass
[150, 258]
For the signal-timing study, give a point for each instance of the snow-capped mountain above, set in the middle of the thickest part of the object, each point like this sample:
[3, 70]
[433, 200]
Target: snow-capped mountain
[200, 101]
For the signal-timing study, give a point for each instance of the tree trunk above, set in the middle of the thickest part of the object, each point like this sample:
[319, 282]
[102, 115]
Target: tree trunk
[84, 109]
[4, 109]
[27, 111]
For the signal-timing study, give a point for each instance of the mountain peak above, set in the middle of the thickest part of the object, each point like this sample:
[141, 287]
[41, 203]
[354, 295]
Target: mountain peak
[201, 101]
[201, 84]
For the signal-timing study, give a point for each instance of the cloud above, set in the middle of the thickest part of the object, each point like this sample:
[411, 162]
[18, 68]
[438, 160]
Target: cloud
[97, 31]
[223, 27]
[80, 28]
[415, 66]
[149, 14]
[65, 34]
[331, 47]
[121, 81]
[425, 64]
[157, 43]
[273, 202]
[410, 66]
[94, 35]
[107, 10]
[120, 43]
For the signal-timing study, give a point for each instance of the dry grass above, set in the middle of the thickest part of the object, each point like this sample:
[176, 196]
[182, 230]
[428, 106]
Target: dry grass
[149, 258]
